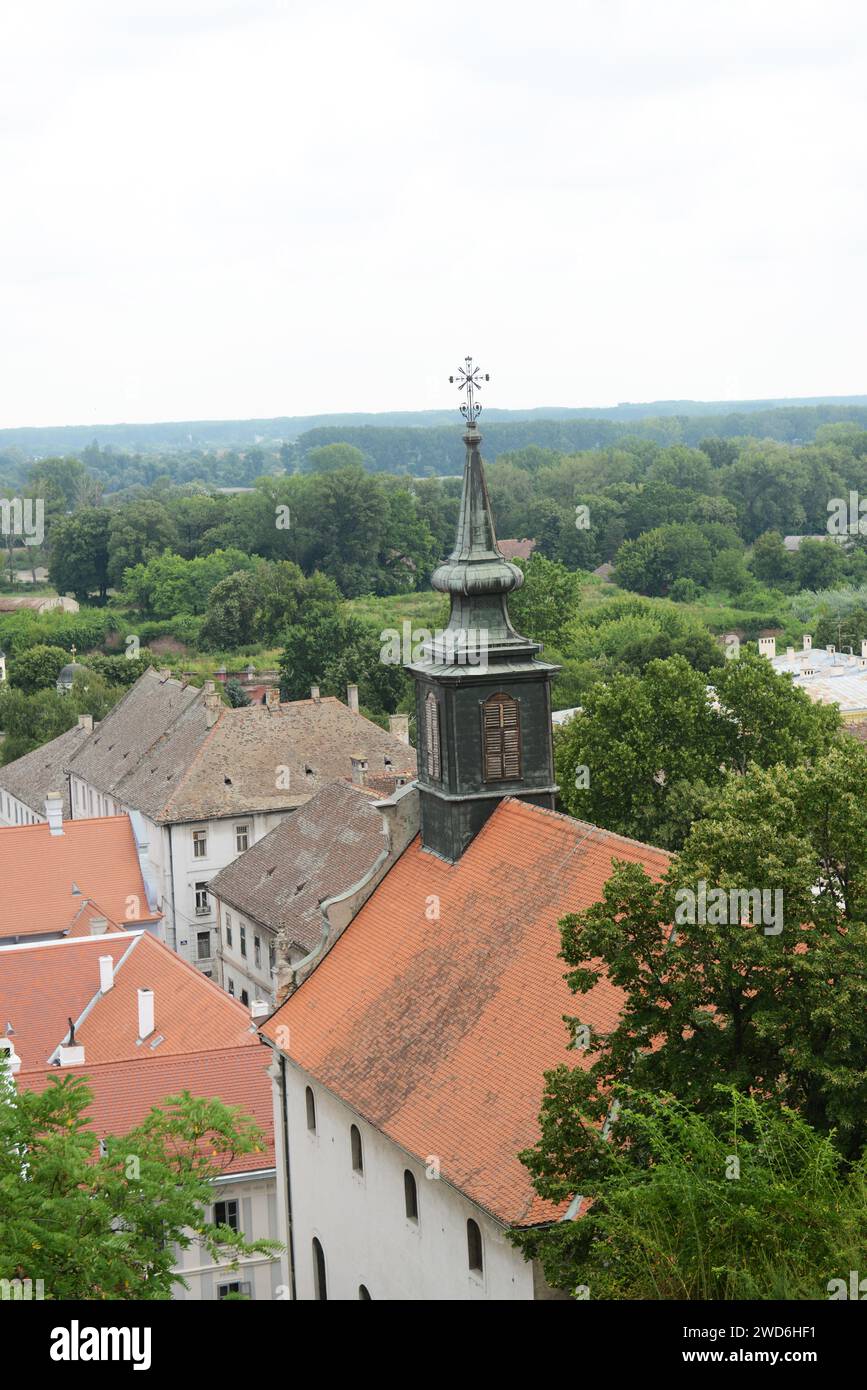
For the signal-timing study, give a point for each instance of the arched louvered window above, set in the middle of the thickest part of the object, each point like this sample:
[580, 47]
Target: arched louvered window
[432, 737]
[501, 739]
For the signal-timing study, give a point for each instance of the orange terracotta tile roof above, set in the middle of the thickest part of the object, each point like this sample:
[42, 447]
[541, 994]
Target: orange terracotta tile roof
[207, 1044]
[124, 1092]
[43, 984]
[40, 873]
[438, 1032]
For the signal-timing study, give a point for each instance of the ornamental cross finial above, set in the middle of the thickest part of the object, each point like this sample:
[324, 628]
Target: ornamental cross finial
[469, 379]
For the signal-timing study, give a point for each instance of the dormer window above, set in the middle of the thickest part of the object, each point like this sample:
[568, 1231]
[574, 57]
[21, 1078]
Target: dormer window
[501, 739]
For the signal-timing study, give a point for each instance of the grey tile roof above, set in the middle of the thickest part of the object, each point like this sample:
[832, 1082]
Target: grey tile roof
[32, 777]
[155, 752]
[320, 850]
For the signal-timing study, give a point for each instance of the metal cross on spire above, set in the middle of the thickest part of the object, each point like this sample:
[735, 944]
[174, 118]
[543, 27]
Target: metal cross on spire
[469, 379]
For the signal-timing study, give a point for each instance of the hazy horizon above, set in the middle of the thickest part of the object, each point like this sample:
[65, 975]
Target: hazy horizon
[449, 409]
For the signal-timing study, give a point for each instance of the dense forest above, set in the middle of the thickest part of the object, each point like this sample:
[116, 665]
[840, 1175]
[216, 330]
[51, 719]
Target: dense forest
[232, 453]
[305, 563]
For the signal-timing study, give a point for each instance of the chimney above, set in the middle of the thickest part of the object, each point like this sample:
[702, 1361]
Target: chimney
[212, 704]
[106, 974]
[352, 698]
[790, 653]
[359, 769]
[272, 697]
[54, 812]
[260, 1008]
[71, 1055]
[98, 926]
[145, 1012]
[768, 646]
[864, 647]
[808, 642]
[165, 673]
[314, 694]
[85, 721]
[398, 726]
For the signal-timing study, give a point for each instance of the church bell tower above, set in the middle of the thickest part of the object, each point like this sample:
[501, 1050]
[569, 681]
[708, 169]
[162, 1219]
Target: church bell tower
[483, 698]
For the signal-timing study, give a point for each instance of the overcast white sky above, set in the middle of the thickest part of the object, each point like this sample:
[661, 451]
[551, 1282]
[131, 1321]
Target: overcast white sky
[219, 210]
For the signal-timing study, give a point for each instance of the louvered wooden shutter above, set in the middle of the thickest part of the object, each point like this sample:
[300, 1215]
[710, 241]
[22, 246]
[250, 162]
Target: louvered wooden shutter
[501, 739]
[432, 739]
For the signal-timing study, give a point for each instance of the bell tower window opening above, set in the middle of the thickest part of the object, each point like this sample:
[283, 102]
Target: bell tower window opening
[432, 737]
[501, 739]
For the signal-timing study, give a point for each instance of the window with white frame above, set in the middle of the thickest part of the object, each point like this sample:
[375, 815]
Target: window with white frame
[202, 904]
[200, 844]
[226, 1214]
[238, 1288]
[242, 838]
[203, 945]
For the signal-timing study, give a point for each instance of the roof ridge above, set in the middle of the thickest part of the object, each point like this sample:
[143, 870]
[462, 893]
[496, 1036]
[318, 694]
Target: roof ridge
[573, 820]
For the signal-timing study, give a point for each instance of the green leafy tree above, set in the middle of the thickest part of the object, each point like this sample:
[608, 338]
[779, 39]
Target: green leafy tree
[357, 660]
[652, 563]
[729, 571]
[37, 668]
[770, 561]
[104, 1225]
[548, 600]
[79, 553]
[120, 670]
[640, 755]
[819, 564]
[309, 644]
[332, 458]
[747, 1203]
[236, 694]
[137, 532]
[31, 720]
[232, 605]
[645, 751]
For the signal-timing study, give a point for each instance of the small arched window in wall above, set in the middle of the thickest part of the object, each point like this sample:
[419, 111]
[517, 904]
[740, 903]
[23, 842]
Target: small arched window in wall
[432, 737]
[501, 739]
[474, 1247]
[310, 1102]
[410, 1195]
[355, 1146]
[364, 1293]
[320, 1287]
